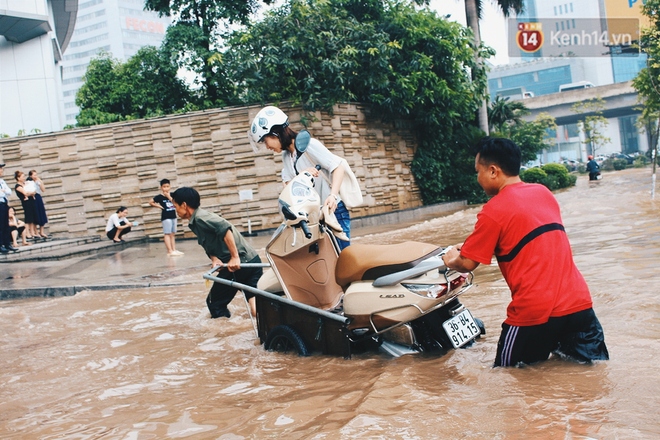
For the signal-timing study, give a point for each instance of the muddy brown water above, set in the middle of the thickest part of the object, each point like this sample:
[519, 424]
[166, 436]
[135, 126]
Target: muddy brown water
[150, 364]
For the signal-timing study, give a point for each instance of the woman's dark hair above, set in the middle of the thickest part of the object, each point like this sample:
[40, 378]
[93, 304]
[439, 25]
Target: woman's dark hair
[121, 209]
[499, 151]
[286, 135]
[188, 195]
[17, 173]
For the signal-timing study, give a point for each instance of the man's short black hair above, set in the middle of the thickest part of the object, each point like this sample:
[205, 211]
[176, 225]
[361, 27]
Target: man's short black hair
[501, 152]
[188, 195]
[164, 181]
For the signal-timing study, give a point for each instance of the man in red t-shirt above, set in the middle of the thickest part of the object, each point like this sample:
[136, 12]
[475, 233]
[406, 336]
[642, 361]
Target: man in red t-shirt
[551, 308]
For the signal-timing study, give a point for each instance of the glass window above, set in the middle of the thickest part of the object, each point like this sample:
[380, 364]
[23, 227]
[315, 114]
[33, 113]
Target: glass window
[629, 134]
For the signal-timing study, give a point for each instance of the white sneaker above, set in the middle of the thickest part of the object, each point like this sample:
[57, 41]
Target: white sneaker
[174, 253]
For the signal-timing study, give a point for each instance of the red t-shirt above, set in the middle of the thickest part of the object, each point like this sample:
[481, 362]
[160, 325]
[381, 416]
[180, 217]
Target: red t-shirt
[522, 227]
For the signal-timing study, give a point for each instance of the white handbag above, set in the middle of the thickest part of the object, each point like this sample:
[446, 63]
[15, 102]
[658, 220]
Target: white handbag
[350, 191]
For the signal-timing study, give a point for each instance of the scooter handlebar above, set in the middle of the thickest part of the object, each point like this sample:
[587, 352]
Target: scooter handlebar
[305, 229]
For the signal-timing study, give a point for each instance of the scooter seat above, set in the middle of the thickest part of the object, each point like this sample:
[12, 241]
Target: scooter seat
[360, 262]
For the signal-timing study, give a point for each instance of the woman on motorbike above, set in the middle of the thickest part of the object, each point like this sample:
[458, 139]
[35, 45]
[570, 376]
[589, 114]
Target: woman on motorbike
[271, 128]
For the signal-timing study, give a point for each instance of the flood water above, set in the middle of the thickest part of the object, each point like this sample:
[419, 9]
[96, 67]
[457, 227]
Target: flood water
[150, 364]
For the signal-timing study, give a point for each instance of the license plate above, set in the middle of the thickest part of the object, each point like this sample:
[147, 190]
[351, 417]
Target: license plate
[461, 329]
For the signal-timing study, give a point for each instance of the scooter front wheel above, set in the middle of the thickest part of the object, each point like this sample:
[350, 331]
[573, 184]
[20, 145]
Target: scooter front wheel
[285, 339]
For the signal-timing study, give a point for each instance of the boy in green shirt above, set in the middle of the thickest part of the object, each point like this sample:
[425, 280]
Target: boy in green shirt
[224, 246]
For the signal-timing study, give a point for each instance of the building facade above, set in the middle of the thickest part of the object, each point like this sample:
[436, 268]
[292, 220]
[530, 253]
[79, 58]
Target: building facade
[117, 27]
[46, 46]
[33, 37]
[582, 65]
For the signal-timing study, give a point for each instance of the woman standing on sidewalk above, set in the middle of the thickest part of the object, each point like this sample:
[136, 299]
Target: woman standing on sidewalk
[26, 193]
[40, 209]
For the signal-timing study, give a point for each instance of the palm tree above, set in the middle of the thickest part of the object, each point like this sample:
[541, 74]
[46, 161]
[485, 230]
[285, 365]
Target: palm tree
[473, 12]
[503, 112]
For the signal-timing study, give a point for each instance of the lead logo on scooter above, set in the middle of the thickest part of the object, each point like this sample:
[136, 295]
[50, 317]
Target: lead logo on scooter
[400, 295]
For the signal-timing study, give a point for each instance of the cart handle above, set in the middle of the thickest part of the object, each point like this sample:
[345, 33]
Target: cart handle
[246, 265]
[245, 288]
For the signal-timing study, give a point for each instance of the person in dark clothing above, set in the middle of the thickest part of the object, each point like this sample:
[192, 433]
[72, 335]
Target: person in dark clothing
[26, 190]
[224, 245]
[593, 168]
[5, 231]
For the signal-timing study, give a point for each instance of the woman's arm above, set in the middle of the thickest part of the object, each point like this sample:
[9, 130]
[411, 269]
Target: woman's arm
[337, 179]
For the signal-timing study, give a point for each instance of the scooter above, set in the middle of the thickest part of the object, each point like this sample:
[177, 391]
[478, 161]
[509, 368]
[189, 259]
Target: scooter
[399, 298]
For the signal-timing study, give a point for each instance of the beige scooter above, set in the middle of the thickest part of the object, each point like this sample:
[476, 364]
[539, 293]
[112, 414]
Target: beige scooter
[398, 297]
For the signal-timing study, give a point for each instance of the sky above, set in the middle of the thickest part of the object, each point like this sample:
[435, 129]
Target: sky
[493, 30]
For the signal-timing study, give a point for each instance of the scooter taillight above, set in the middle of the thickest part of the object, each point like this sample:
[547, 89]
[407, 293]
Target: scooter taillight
[434, 290]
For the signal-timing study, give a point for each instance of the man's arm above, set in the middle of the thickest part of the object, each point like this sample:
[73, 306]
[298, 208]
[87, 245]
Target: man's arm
[454, 260]
[234, 262]
[5, 188]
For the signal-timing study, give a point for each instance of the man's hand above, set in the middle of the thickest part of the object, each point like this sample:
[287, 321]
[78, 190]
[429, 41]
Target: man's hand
[453, 260]
[234, 264]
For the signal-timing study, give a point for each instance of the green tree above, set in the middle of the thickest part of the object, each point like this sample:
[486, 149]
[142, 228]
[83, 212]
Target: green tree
[506, 119]
[593, 122]
[647, 82]
[193, 39]
[405, 61]
[98, 99]
[145, 86]
[503, 112]
[532, 137]
[473, 13]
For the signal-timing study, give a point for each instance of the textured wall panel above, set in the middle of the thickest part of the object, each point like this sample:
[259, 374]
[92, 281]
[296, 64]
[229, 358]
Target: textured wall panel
[90, 172]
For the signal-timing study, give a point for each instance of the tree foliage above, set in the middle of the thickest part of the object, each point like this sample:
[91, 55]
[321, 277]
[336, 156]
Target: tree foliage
[473, 13]
[405, 61]
[553, 175]
[146, 85]
[593, 122]
[647, 82]
[506, 119]
[503, 112]
[401, 58]
[193, 40]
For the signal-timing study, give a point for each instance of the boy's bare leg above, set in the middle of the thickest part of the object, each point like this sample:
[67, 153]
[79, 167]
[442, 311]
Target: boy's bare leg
[169, 242]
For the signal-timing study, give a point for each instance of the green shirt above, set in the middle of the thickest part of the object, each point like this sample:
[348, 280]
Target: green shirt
[211, 229]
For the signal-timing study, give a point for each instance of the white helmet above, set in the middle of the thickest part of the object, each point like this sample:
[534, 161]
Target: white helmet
[263, 123]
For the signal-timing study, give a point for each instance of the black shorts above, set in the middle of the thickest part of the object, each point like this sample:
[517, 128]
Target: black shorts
[578, 336]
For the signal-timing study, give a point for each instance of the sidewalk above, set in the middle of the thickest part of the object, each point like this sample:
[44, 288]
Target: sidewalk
[63, 267]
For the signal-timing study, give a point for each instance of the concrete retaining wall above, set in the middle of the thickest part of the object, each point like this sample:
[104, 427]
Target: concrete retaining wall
[90, 172]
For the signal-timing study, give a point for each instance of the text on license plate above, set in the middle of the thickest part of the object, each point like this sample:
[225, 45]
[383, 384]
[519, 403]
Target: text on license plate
[461, 329]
